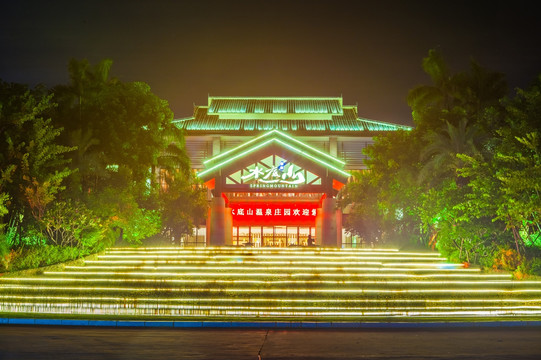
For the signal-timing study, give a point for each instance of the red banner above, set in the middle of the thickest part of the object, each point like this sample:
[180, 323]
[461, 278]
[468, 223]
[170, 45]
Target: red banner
[258, 213]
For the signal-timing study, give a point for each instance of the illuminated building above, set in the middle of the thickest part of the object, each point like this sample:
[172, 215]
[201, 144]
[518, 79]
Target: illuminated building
[274, 166]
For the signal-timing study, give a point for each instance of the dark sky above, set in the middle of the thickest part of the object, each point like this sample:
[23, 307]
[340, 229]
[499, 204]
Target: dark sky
[370, 52]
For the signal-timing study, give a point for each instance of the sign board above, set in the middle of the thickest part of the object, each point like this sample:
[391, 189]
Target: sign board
[272, 172]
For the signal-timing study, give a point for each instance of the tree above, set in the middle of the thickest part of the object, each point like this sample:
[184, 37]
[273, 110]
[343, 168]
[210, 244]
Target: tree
[423, 182]
[33, 165]
[122, 125]
[454, 97]
[439, 156]
[382, 197]
[364, 217]
[125, 134]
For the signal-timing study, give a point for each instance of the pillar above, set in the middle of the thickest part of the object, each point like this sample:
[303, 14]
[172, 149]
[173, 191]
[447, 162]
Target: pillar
[328, 223]
[228, 230]
[217, 222]
[333, 146]
[339, 231]
[216, 145]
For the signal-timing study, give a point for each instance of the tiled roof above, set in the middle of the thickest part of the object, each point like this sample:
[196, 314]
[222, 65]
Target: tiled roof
[229, 115]
[249, 105]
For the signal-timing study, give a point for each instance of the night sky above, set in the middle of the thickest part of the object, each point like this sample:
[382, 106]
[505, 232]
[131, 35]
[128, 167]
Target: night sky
[370, 52]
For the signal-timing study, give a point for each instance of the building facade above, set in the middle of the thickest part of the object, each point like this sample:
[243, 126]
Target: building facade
[274, 167]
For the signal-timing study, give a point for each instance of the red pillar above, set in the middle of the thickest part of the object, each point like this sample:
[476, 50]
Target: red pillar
[328, 222]
[217, 222]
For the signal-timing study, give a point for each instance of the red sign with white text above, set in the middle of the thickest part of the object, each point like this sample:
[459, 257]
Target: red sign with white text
[297, 214]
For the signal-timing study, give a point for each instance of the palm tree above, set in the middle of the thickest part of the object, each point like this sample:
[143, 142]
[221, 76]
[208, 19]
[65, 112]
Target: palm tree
[85, 78]
[440, 155]
[452, 97]
[427, 102]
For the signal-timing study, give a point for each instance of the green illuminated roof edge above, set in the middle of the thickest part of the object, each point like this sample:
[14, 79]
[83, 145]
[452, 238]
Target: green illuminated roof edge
[277, 97]
[384, 123]
[255, 147]
[215, 158]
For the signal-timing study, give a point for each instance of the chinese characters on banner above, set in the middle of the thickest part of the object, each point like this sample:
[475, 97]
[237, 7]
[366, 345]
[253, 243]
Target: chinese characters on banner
[274, 213]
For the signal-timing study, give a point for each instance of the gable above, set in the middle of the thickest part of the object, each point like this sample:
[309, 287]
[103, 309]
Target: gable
[278, 144]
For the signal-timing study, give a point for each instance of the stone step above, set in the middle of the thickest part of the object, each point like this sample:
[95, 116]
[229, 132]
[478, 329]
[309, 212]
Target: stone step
[309, 283]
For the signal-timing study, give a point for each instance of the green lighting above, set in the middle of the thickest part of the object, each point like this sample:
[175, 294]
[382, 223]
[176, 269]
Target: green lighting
[268, 134]
[273, 139]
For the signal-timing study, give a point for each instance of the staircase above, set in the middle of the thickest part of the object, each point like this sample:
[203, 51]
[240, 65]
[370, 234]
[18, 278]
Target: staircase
[270, 284]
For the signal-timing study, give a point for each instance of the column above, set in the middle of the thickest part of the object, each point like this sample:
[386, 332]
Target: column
[216, 145]
[228, 229]
[328, 222]
[333, 146]
[217, 222]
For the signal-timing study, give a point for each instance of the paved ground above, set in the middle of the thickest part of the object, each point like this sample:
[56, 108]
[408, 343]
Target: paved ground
[42, 342]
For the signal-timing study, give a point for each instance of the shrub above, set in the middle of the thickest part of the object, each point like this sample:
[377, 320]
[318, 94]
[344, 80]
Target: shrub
[72, 224]
[507, 259]
[34, 257]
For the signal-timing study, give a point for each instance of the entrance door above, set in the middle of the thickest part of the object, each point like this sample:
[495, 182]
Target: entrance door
[268, 236]
[280, 236]
[272, 236]
[255, 233]
[292, 236]
[303, 235]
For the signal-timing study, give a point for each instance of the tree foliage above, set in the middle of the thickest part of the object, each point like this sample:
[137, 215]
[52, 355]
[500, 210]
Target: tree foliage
[33, 163]
[79, 167]
[467, 176]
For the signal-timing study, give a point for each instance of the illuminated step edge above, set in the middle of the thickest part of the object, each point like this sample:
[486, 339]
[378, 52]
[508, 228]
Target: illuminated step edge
[130, 301]
[262, 255]
[92, 309]
[333, 291]
[210, 263]
[289, 269]
[227, 261]
[273, 282]
[290, 258]
[268, 254]
[259, 249]
[141, 273]
[266, 308]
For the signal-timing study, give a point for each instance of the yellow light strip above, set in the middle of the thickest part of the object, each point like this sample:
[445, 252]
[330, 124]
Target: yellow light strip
[318, 270]
[279, 290]
[264, 257]
[285, 249]
[322, 309]
[221, 262]
[271, 252]
[247, 269]
[436, 261]
[198, 313]
[271, 282]
[266, 274]
[424, 264]
[265, 300]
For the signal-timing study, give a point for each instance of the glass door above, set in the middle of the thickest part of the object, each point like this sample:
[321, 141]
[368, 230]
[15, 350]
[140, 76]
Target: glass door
[255, 236]
[280, 236]
[243, 236]
[292, 236]
[267, 236]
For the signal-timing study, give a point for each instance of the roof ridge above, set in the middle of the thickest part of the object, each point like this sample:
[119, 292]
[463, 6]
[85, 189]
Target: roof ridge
[339, 98]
